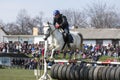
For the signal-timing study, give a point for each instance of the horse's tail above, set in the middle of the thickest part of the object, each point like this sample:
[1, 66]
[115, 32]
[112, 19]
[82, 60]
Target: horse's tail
[81, 43]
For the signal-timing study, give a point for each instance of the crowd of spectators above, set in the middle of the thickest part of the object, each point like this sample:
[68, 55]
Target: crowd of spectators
[23, 48]
[94, 52]
[99, 50]
[18, 47]
[88, 51]
[26, 63]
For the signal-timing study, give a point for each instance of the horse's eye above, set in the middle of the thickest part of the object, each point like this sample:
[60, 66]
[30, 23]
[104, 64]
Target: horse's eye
[49, 29]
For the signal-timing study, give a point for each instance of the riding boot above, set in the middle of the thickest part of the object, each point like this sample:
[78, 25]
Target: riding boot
[64, 36]
[68, 42]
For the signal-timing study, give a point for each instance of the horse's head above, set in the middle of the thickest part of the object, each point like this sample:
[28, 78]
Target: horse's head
[48, 29]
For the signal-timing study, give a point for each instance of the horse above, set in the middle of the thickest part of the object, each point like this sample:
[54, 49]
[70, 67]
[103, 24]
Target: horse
[56, 39]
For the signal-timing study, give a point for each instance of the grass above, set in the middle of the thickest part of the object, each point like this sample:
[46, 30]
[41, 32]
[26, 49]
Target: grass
[16, 74]
[102, 58]
[22, 74]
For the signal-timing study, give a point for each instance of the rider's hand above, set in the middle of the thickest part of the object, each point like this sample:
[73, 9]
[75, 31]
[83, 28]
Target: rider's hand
[57, 25]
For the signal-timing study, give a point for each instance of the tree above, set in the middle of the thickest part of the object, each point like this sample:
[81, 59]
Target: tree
[102, 16]
[39, 22]
[12, 28]
[23, 22]
[75, 18]
[1, 23]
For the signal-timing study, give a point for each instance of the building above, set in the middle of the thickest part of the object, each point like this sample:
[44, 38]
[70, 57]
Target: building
[30, 39]
[100, 36]
[24, 38]
[91, 36]
[6, 59]
[2, 34]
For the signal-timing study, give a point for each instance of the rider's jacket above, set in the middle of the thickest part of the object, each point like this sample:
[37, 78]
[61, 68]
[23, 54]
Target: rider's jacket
[62, 21]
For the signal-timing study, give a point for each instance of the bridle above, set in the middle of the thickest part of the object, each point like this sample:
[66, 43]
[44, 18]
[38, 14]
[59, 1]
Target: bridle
[50, 32]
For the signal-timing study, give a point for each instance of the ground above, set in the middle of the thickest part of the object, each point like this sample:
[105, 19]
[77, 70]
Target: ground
[16, 74]
[22, 74]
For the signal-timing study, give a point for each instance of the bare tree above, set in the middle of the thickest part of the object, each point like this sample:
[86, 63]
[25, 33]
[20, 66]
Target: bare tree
[102, 16]
[12, 28]
[24, 24]
[23, 21]
[2, 24]
[39, 22]
[75, 17]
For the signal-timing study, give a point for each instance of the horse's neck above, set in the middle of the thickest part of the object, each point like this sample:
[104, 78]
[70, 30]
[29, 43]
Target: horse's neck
[57, 35]
[55, 32]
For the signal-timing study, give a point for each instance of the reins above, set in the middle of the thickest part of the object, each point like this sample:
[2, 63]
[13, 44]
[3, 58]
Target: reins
[53, 31]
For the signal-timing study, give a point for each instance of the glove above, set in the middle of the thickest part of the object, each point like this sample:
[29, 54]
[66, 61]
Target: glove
[57, 26]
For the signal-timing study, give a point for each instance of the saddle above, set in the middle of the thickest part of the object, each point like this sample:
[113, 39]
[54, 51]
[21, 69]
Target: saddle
[67, 37]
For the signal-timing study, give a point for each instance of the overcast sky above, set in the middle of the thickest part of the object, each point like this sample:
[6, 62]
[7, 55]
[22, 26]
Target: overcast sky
[9, 9]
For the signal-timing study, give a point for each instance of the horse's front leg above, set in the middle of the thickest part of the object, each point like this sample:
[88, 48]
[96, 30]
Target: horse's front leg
[53, 50]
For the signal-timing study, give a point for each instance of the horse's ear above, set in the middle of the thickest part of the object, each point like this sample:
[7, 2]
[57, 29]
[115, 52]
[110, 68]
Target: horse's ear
[48, 23]
[45, 24]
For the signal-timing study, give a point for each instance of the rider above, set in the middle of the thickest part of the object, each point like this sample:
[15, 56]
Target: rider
[60, 21]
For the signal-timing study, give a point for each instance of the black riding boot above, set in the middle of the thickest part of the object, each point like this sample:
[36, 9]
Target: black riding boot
[68, 42]
[66, 37]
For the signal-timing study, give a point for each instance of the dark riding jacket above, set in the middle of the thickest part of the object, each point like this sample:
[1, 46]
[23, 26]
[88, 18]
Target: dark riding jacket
[62, 21]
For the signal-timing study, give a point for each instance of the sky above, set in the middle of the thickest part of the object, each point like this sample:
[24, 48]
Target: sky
[9, 9]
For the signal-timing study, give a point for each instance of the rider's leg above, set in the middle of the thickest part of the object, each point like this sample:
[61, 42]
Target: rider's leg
[67, 36]
[67, 33]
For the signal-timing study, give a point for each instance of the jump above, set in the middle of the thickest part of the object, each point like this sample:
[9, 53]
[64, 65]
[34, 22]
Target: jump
[56, 39]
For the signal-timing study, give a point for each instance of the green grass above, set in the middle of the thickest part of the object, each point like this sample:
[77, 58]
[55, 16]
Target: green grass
[22, 74]
[104, 58]
[16, 74]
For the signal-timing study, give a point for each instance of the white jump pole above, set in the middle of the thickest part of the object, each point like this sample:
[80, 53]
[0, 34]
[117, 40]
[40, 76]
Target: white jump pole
[45, 76]
[98, 62]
